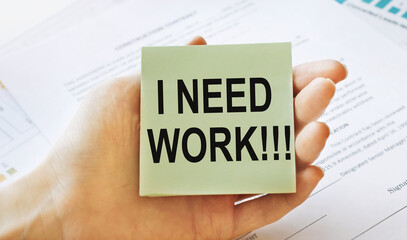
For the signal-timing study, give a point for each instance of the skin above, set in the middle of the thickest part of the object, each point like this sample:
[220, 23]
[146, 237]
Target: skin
[87, 187]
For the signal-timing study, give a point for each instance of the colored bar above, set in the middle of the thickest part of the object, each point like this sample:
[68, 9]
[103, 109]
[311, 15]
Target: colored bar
[394, 10]
[405, 15]
[341, 1]
[11, 171]
[2, 178]
[367, 1]
[383, 3]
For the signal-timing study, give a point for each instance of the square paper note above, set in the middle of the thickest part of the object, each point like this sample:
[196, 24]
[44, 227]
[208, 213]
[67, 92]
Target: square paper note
[217, 120]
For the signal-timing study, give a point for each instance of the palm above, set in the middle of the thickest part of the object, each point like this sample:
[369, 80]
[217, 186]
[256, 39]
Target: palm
[104, 158]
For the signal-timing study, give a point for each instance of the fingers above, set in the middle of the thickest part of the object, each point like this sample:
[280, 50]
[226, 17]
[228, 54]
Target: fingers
[310, 142]
[312, 101]
[308, 145]
[270, 208]
[198, 40]
[305, 73]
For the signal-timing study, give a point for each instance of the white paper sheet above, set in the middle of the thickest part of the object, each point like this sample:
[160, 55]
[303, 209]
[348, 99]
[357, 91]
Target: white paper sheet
[72, 15]
[365, 157]
[388, 16]
[18, 16]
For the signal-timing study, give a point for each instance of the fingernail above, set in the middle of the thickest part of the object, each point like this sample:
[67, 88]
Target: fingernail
[330, 81]
[322, 171]
[346, 68]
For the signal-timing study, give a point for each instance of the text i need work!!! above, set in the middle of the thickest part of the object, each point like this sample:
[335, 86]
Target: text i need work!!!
[241, 139]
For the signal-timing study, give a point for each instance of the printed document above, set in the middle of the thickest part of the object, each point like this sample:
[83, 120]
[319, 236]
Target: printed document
[362, 195]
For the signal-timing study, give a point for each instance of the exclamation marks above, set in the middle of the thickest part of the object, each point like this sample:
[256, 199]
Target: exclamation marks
[285, 137]
[264, 141]
[275, 141]
[287, 142]
[287, 134]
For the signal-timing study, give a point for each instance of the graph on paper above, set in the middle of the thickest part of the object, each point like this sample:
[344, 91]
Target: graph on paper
[387, 16]
[21, 145]
[392, 7]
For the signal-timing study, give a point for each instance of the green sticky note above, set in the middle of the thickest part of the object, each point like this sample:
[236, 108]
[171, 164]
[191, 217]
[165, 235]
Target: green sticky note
[217, 120]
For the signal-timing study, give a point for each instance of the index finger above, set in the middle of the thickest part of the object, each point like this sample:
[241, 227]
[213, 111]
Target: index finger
[303, 74]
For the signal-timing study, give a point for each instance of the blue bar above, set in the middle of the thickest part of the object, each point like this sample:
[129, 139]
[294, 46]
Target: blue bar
[367, 1]
[383, 3]
[341, 1]
[405, 15]
[394, 10]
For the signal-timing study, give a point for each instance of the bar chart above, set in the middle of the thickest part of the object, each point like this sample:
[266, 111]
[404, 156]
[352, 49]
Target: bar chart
[388, 16]
[391, 6]
[2, 178]
[4, 174]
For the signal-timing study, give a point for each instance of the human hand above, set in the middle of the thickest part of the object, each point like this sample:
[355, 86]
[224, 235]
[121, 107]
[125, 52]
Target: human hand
[92, 173]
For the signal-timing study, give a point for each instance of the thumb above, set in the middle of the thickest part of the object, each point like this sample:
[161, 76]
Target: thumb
[198, 40]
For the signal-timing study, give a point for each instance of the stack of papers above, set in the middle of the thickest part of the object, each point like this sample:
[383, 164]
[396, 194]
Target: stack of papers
[362, 195]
